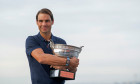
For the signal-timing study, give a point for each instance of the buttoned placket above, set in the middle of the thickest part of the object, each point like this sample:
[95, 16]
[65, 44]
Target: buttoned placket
[47, 43]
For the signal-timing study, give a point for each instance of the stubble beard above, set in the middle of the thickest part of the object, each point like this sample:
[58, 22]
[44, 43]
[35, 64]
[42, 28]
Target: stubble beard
[46, 32]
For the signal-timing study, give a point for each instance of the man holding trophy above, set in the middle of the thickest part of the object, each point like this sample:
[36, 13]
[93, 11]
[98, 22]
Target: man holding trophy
[43, 60]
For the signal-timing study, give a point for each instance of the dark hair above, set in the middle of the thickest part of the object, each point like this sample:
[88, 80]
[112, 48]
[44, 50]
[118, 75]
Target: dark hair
[45, 11]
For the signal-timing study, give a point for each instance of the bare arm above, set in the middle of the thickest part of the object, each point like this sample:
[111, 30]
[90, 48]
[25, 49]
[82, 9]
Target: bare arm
[49, 59]
[74, 62]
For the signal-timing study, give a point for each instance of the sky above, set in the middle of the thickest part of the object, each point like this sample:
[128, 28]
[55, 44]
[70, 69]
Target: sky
[108, 30]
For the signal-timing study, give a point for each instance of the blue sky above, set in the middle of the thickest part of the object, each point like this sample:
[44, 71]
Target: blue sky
[108, 30]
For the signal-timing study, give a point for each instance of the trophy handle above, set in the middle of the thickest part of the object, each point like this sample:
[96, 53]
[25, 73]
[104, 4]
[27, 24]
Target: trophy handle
[81, 48]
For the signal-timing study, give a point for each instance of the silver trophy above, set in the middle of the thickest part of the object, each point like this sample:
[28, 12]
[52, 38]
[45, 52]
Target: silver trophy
[63, 50]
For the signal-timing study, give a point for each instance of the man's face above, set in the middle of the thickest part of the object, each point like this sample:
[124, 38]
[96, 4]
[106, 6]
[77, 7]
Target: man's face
[44, 23]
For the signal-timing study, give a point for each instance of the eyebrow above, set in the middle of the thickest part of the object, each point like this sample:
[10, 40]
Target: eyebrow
[45, 20]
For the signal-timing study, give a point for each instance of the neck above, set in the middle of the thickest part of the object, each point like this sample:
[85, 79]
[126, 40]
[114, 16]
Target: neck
[46, 36]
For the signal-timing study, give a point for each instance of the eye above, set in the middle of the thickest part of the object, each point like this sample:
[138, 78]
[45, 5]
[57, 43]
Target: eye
[40, 20]
[47, 20]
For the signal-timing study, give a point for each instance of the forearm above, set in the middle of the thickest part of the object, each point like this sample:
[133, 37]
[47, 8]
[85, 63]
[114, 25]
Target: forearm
[49, 59]
[52, 60]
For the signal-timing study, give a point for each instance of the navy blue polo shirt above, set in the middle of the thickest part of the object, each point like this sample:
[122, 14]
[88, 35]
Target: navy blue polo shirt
[40, 73]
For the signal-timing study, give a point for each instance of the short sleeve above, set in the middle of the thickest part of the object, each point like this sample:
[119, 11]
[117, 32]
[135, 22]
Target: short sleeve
[31, 44]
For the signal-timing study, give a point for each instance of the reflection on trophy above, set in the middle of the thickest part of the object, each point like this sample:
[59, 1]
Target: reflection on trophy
[65, 51]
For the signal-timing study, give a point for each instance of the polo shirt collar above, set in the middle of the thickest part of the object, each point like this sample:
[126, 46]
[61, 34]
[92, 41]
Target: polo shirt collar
[42, 39]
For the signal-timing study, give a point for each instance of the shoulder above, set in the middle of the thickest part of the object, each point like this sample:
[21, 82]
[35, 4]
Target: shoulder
[31, 39]
[59, 40]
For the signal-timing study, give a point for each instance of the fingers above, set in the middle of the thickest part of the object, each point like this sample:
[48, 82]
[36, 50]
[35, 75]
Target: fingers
[74, 62]
[59, 67]
[76, 59]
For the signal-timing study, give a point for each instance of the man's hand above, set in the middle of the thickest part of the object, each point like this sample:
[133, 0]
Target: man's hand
[74, 62]
[59, 67]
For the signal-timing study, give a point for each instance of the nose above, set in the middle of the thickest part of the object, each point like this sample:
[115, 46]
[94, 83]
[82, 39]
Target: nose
[43, 23]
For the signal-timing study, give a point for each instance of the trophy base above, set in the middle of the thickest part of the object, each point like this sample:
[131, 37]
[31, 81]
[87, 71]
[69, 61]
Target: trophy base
[62, 75]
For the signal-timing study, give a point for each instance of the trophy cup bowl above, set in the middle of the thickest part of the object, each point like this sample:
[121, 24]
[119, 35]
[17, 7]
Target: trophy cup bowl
[63, 50]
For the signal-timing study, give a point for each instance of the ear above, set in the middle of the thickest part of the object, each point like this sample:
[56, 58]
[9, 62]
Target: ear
[36, 22]
[52, 22]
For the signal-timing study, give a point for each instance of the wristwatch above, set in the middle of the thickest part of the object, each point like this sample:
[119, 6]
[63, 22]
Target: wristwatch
[67, 61]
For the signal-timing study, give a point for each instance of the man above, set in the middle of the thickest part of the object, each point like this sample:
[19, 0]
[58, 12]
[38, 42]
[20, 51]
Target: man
[40, 55]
